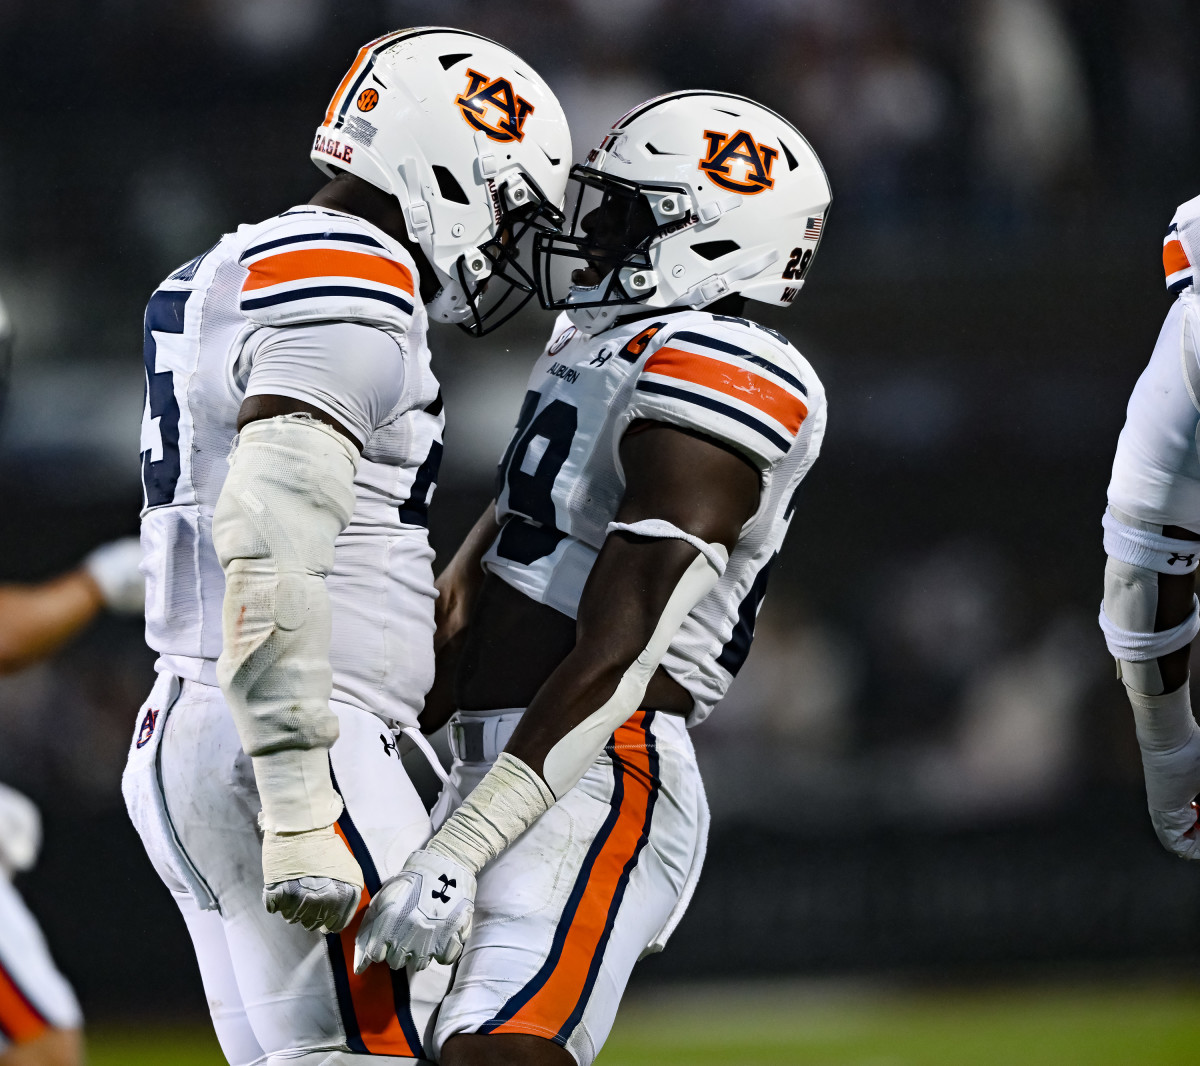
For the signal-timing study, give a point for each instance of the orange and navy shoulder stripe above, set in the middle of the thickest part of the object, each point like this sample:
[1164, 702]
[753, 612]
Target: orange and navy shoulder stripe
[730, 382]
[20, 1020]
[307, 270]
[1175, 261]
[553, 1002]
[374, 1005]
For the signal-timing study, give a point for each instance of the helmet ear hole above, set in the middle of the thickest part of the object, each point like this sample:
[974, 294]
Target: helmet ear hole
[449, 187]
[711, 250]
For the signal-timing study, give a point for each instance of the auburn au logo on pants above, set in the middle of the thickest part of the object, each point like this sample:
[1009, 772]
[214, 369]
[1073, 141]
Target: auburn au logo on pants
[493, 106]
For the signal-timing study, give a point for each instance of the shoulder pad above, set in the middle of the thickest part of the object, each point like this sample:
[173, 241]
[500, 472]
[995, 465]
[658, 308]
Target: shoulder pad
[730, 379]
[316, 266]
[1181, 245]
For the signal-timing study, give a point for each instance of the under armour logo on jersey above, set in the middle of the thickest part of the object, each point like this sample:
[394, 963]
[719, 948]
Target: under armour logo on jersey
[1180, 557]
[389, 747]
[493, 106]
[754, 160]
[147, 729]
[442, 894]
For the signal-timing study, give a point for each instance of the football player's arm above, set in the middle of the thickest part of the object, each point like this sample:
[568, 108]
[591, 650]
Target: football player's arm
[37, 620]
[457, 586]
[1150, 618]
[314, 393]
[692, 496]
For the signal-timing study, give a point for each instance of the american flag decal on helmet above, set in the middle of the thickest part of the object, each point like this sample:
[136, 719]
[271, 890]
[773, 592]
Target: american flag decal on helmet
[812, 229]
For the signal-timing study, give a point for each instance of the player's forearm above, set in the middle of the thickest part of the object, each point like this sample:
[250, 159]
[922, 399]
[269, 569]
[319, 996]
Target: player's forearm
[36, 620]
[288, 495]
[459, 583]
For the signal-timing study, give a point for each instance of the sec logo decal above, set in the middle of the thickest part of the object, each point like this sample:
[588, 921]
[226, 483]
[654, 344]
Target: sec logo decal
[367, 99]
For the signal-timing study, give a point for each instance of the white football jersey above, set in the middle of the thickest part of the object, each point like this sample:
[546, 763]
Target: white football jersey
[1156, 472]
[560, 481]
[310, 304]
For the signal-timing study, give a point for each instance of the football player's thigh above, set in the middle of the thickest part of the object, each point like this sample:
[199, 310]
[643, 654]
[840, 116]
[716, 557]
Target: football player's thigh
[38, 1009]
[293, 984]
[562, 916]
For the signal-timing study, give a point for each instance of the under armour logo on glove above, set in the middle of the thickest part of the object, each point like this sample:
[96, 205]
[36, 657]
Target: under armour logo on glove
[1180, 557]
[442, 894]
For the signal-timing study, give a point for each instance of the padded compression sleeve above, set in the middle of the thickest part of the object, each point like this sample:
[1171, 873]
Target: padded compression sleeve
[289, 493]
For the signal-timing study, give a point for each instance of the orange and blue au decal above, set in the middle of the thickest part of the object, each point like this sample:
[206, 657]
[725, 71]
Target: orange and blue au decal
[20, 1020]
[374, 1005]
[147, 728]
[492, 106]
[740, 149]
[552, 1004]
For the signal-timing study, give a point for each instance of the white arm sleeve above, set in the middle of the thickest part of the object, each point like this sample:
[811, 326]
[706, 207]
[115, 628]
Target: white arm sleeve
[351, 371]
[289, 493]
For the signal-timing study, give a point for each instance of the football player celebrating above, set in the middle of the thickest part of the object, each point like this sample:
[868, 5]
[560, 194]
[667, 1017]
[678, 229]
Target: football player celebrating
[641, 501]
[290, 590]
[1152, 537]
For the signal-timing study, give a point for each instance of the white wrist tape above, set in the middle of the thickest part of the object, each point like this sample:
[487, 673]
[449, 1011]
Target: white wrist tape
[716, 554]
[1149, 548]
[509, 799]
[289, 493]
[569, 759]
[313, 853]
[1170, 741]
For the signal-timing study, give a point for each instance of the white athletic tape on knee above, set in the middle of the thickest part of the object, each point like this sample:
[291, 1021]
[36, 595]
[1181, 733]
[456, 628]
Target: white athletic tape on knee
[716, 554]
[289, 493]
[1142, 547]
[569, 759]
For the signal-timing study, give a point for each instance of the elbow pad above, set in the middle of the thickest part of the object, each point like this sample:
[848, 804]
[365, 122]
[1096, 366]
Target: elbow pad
[1136, 556]
[289, 494]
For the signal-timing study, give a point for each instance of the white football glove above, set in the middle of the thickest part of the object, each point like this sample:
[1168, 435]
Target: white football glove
[114, 568]
[320, 904]
[422, 913]
[311, 878]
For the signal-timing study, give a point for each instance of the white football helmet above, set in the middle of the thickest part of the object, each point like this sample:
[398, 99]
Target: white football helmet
[475, 147]
[690, 197]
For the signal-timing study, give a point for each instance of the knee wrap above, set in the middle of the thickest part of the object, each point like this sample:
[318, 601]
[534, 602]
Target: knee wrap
[289, 493]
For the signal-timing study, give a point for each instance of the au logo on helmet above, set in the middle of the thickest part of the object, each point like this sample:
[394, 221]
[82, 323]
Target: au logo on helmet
[755, 161]
[493, 106]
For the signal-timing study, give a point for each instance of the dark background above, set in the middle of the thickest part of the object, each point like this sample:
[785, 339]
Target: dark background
[925, 766]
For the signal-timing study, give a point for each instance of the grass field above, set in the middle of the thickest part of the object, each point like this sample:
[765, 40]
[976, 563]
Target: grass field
[804, 1024]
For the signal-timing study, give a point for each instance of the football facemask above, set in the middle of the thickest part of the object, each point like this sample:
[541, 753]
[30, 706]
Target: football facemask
[603, 260]
[498, 281]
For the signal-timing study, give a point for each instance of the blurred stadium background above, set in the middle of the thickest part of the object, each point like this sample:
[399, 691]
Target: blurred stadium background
[925, 771]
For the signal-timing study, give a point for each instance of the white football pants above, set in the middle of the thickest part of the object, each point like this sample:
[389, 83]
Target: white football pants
[276, 993]
[598, 881]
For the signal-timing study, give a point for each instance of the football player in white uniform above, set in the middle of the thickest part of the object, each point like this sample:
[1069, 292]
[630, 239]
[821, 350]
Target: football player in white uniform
[40, 1018]
[1152, 537]
[641, 501]
[291, 441]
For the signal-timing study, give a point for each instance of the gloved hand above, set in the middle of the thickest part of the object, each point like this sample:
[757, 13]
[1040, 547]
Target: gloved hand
[114, 568]
[311, 878]
[424, 912]
[320, 904]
